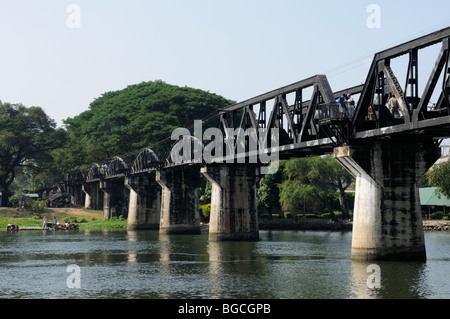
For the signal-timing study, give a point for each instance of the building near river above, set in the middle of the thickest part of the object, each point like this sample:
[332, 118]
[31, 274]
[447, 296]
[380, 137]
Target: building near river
[432, 201]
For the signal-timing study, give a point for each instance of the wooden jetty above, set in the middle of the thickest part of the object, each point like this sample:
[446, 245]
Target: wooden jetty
[67, 226]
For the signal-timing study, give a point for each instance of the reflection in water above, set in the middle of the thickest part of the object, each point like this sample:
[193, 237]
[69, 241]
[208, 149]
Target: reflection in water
[164, 265]
[132, 253]
[147, 264]
[360, 275]
[397, 280]
[231, 265]
[215, 270]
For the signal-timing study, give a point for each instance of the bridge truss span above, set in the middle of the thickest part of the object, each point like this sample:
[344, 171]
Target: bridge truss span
[294, 111]
[146, 161]
[418, 113]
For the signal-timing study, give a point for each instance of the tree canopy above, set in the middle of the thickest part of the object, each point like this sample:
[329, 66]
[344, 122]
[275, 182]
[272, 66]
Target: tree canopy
[139, 116]
[311, 184]
[268, 193]
[439, 177]
[27, 138]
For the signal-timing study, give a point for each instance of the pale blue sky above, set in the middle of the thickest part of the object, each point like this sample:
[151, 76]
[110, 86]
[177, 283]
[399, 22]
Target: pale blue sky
[237, 49]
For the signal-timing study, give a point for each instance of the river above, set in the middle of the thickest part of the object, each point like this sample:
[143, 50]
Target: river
[146, 264]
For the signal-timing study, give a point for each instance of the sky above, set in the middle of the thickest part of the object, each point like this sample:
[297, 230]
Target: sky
[61, 55]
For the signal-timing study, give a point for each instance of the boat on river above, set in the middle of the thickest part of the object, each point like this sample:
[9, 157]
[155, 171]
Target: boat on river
[12, 227]
[65, 226]
[50, 226]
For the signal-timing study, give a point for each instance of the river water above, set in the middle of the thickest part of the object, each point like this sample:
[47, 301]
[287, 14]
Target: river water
[146, 264]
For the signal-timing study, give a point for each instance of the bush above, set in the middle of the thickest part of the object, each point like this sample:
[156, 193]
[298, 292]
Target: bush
[288, 215]
[437, 215]
[36, 206]
[205, 210]
[71, 219]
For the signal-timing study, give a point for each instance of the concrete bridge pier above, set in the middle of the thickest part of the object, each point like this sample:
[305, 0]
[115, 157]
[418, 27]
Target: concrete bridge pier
[115, 198]
[144, 202]
[387, 220]
[78, 195]
[93, 196]
[234, 213]
[179, 200]
[106, 188]
[87, 197]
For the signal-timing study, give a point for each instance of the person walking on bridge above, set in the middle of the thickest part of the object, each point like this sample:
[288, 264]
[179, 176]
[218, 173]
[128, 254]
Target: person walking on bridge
[393, 107]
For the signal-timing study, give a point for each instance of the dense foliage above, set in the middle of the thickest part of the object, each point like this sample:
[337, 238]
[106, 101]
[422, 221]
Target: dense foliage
[27, 139]
[269, 191]
[439, 176]
[303, 185]
[142, 115]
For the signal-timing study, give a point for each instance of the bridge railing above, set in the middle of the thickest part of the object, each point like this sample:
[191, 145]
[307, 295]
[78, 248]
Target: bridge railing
[334, 112]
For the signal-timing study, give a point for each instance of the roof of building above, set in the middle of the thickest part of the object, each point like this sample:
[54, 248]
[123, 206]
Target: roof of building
[429, 196]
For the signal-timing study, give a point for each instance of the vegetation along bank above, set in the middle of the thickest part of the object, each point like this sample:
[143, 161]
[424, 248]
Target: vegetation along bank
[328, 225]
[89, 219]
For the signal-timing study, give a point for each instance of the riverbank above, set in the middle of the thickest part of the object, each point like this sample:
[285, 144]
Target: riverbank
[436, 225]
[84, 218]
[328, 225]
[303, 224]
[90, 219]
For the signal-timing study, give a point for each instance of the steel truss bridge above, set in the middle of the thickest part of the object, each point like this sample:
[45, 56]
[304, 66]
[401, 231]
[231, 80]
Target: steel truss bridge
[385, 151]
[307, 112]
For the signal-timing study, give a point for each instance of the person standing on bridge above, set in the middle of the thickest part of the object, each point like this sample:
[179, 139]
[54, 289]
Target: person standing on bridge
[350, 105]
[393, 107]
[342, 108]
[44, 224]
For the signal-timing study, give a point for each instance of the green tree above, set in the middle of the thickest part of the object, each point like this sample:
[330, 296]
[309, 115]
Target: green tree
[303, 187]
[204, 192]
[439, 177]
[51, 172]
[27, 136]
[336, 175]
[143, 115]
[268, 190]
[311, 183]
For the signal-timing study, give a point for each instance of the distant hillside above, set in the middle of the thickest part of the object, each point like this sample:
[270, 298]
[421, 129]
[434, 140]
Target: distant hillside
[122, 122]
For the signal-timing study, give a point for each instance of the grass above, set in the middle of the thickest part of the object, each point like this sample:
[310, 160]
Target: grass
[85, 218]
[114, 223]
